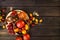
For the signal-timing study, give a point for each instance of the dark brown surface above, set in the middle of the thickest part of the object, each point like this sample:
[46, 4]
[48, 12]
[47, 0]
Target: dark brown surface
[49, 10]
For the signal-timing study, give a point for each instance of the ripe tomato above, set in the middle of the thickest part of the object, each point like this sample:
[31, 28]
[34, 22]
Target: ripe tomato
[13, 13]
[24, 32]
[26, 37]
[18, 38]
[23, 15]
[20, 24]
[26, 27]
[16, 30]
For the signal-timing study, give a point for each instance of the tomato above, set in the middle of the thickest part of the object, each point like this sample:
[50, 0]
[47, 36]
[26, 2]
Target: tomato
[13, 13]
[1, 17]
[41, 20]
[31, 14]
[16, 30]
[26, 37]
[18, 38]
[24, 32]
[26, 27]
[20, 24]
[23, 15]
[3, 10]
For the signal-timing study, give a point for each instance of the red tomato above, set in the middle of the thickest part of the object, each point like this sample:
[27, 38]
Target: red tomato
[26, 37]
[3, 10]
[20, 24]
[14, 13]
[18, 38]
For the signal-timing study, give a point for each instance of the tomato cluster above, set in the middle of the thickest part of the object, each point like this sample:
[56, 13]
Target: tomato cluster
[2, 15]
[18, 23]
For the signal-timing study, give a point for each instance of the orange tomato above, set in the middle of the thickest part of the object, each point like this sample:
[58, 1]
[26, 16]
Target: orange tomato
[18, 38]
[41, 20]
[16, 30]
[23, 15]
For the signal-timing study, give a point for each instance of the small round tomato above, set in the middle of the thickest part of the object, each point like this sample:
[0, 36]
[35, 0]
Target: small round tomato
[20, 24]
[24, 32]
[18, 38]
[26, 37]
[16, 30]
[0, 17]
[26, 27]
[23, 15]
[13, 13]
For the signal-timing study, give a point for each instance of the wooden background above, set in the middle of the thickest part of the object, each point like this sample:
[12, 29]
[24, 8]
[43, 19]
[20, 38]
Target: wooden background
[49, 10]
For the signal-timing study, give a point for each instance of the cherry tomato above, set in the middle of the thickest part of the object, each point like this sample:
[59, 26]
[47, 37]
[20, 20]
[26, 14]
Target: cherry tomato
[20, 24]
[26, 27]
[0, 17]
[31, 15]
[3, 10]
[24, 32]
[41, 20]
[18, 38]
[26, 37]
[23, 15]
[33, 25]
[13, 13]
[16, 30]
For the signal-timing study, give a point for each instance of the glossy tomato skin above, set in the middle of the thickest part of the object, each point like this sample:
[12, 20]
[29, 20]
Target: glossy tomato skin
[22, 15]
[26, 37]
[13, 13]
[20, 24]
[18, 38]
[16, 30]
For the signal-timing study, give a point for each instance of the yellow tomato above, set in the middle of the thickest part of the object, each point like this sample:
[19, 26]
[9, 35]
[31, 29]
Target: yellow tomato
[16, 30]
[30, 22]
[24, 32]
[4, 26]
[0, 17]
[26, 27]
[36, 21]
[31, 15]
[33, 18]
[0, 20]
[40, 20]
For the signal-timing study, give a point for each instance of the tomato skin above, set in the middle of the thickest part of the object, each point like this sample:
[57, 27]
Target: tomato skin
[26, 27]
[16, 30]
[18, 38]
[26, 37]
[20, 24]
[14, 13]
[23, 15]
[24, 32]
